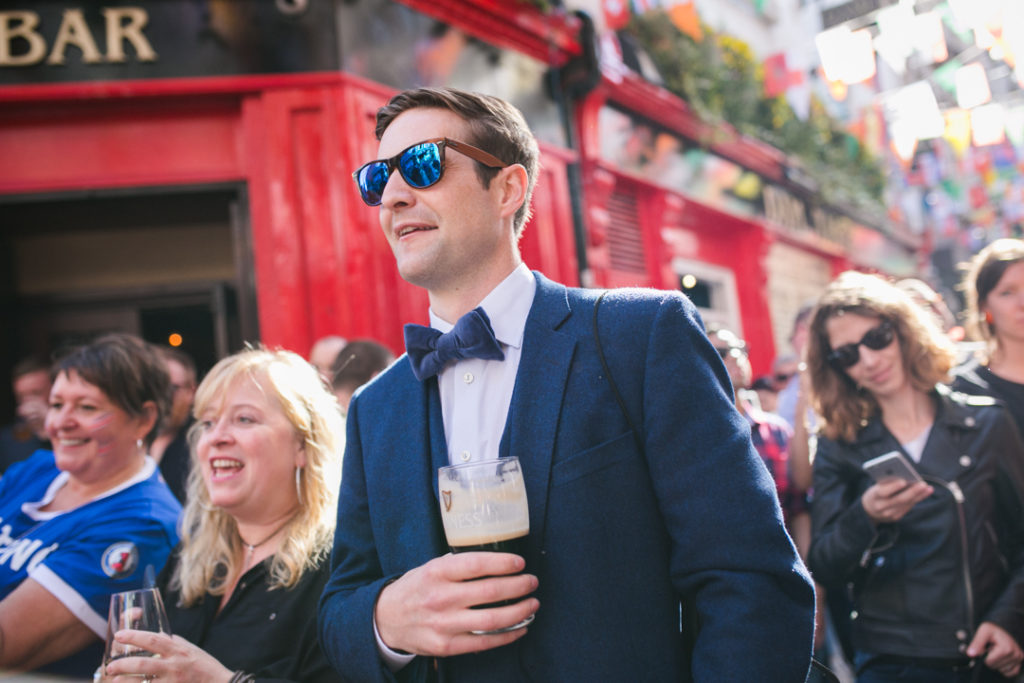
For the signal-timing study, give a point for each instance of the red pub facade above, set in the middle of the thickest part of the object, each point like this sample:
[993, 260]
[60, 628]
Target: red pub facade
[185, 167]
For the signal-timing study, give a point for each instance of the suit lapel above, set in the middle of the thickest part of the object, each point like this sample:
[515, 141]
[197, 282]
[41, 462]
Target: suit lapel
[438, 442]
[537, 399]
[411, 442]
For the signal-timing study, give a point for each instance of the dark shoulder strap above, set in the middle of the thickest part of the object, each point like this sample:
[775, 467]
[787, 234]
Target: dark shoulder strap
[611, 381]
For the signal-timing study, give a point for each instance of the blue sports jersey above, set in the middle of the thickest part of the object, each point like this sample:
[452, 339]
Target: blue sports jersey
[83, 555]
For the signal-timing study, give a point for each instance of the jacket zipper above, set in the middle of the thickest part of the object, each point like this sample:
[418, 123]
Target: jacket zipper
[958, 496]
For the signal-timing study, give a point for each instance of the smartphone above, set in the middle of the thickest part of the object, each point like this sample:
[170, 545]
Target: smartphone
[892, 465]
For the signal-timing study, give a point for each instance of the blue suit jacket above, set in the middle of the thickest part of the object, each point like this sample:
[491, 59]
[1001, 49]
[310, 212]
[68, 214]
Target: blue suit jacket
[618, 538]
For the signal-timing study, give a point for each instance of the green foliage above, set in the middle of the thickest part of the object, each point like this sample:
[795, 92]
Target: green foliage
[720, 78]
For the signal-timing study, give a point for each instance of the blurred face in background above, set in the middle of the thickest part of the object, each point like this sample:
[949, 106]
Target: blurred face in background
[32, 394]
[183, 390]
[1005, 304]
[323, 354]
[783, 370]
[734, 354]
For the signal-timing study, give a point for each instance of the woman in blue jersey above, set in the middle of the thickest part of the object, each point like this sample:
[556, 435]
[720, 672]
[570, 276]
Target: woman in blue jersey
[241, 590]
[87, 519]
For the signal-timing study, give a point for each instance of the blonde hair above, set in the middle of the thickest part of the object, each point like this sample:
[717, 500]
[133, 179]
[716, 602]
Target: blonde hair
[927, 353]
[211, 544]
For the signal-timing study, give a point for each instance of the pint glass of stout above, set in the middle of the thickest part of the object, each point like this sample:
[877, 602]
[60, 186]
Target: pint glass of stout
[483, 508]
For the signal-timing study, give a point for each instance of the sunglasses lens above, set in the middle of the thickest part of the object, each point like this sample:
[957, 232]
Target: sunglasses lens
[878, 337]
[420, 165]
[845, 356]
[371, 179]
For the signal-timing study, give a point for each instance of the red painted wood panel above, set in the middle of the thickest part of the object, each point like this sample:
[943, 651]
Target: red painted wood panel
[116, 144]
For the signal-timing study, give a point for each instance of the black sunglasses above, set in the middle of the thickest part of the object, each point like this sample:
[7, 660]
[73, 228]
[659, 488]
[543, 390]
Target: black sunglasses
[876, 339]
[421, 165]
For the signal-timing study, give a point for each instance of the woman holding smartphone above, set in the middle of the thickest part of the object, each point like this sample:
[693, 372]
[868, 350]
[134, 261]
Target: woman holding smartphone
[935, 568]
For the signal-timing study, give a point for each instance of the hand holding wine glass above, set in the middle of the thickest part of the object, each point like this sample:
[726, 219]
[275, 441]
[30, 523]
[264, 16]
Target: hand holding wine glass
[140, 610]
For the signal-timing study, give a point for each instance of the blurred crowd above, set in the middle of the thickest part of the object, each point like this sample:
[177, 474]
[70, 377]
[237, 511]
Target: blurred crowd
[890, 429]
[877, 367]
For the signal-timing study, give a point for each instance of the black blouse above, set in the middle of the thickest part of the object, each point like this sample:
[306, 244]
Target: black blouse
[271, 634]
[974, 378]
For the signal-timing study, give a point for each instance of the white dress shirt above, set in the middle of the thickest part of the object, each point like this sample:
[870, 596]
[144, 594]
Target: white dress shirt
[476, 394]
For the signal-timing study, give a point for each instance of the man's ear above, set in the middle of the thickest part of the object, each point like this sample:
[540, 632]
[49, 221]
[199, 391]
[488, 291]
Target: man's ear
[512, 182]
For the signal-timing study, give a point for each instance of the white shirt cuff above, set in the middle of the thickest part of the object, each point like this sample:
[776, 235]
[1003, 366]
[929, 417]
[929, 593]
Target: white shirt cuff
[393, 660]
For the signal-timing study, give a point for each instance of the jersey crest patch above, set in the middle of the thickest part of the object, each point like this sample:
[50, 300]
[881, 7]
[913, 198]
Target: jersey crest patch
[120, 559]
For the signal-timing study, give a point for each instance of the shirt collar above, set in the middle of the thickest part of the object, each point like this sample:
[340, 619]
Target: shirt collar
[507, 306]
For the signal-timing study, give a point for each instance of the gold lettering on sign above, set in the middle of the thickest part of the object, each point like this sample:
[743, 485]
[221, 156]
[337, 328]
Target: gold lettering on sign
[74, 31]
[117, 33]
[122, 24]
[20, 25]
[785, 209]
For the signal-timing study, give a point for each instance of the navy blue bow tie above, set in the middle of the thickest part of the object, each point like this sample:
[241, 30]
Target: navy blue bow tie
[472, 337]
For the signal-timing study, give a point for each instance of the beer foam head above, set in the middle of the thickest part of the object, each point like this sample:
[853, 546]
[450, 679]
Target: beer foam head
[474, 514]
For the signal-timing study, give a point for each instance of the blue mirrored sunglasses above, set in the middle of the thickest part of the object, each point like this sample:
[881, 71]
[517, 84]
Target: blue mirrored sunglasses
[421, 165]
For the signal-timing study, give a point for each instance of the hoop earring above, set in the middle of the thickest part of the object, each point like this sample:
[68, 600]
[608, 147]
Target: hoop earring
[298, 484]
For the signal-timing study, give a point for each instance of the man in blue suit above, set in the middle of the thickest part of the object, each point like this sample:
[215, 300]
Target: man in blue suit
[656, 548]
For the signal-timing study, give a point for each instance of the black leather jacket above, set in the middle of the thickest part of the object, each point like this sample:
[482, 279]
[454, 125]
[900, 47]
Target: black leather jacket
[921, 586]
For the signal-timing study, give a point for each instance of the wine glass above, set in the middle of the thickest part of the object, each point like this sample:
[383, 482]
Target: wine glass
[140, 610]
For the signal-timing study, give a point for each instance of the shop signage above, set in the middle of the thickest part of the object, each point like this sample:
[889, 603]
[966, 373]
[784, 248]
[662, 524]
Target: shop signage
[854, 9]
[86, 40]
[21, 44]
[791, 213]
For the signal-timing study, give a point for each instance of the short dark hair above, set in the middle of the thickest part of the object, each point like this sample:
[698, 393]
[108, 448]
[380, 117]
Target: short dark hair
[495, 126]
[982, 273]
[28, 365]
[358, 362]
[128, 370]
[182, 358]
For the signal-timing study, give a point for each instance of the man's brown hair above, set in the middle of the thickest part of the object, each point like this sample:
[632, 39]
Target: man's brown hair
[495, 126]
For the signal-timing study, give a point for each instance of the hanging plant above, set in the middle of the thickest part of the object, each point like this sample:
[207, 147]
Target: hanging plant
[720, 78]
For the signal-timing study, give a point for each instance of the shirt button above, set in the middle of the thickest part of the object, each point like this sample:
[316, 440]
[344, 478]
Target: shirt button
[465, 456]
[468, 378]
[965, 461]
[969, 421]
[961, 635]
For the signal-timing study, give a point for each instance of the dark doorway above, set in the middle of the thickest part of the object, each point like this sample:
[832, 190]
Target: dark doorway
[151, 262]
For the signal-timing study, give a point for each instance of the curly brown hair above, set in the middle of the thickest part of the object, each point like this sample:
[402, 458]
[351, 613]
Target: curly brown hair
[927, 353]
